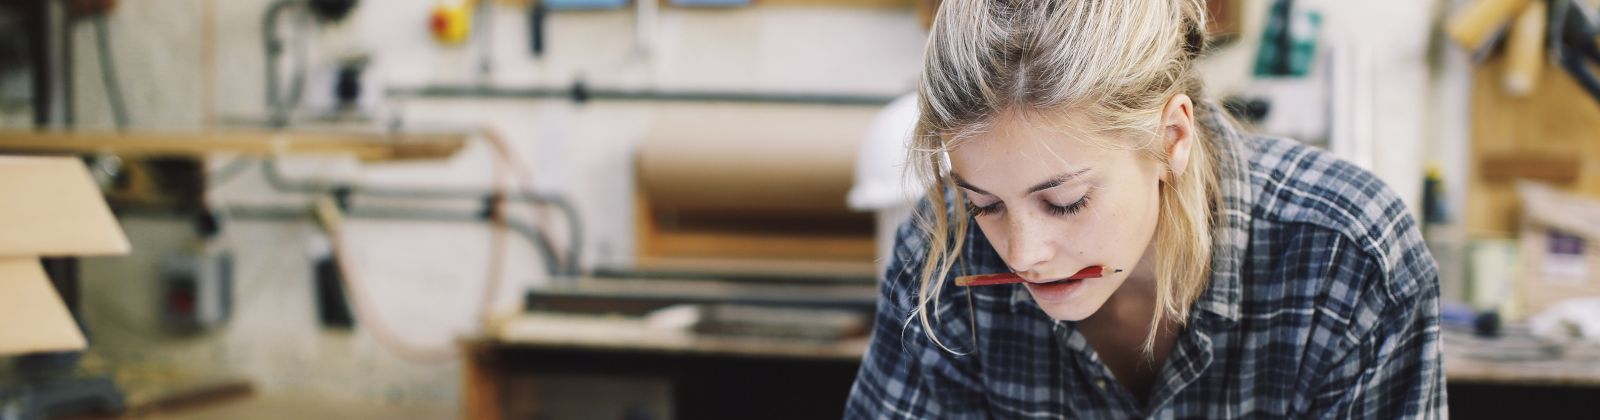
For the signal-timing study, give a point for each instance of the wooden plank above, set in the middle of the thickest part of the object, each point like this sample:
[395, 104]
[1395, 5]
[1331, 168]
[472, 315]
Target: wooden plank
[1537, 166]
[366, 146]
[661, 246]
[861, 295]
[839, 3]
[831, 3]
[481, 383]
[757, 266]
[578, 332]
[1557, 119]
[766, 246]
[275, 407]
[1559, 372]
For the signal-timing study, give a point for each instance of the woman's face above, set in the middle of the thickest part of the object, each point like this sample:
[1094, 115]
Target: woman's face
[1052, 203]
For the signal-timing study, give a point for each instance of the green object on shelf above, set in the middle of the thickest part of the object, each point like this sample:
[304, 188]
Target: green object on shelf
[1289, 41]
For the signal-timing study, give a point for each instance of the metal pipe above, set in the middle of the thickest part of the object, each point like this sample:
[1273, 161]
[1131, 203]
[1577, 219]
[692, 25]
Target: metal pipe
[278, 182]
[108, 73]
[293, 213]
[578, 92]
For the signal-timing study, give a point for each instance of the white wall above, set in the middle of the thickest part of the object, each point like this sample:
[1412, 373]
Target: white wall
[427, 278]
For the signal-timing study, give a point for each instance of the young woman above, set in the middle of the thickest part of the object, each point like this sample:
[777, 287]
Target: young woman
[1260, 277]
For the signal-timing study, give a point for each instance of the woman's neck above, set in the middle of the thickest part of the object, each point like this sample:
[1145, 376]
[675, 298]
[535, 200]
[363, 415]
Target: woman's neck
[1131, 306]
[1118, 331]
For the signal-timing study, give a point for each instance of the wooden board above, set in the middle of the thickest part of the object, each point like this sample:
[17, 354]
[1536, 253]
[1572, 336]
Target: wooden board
[481, 388]
[756, 267]
[636, 335]
[366, 146]
[1558, 119]
[834, 3]
[796, 249]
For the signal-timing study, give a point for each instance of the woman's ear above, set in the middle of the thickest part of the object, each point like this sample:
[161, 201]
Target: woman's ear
[1177, 134]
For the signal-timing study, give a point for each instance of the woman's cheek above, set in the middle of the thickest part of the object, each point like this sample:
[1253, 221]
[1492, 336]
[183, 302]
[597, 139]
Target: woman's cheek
[1076, 235]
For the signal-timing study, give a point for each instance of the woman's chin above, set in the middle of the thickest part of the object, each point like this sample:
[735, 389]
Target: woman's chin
[1068, 300]
[1067, 311]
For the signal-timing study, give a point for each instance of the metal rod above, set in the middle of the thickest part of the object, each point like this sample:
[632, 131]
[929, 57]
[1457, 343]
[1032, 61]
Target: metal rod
[580, 93]
[278, 182]
[295, 213]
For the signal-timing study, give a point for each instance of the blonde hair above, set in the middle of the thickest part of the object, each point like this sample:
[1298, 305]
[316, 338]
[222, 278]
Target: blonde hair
[1113, 63]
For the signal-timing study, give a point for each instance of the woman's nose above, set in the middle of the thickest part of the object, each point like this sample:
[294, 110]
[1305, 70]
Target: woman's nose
[1027, 247]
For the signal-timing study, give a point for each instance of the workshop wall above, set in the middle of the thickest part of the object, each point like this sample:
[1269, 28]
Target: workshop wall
[171, 81]
[428, 277]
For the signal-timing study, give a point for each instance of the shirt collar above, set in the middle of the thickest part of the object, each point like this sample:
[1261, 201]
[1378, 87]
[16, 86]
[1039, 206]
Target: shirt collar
[1230, 230]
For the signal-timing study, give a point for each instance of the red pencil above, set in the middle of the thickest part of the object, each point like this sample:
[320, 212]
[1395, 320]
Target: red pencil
[1009, 278]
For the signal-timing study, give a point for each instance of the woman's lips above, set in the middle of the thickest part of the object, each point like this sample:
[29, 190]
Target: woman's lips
[1056, 291]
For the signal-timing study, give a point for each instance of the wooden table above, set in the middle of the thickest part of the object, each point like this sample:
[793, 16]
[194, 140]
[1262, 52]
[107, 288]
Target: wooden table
[711, 376]
[1510, 378]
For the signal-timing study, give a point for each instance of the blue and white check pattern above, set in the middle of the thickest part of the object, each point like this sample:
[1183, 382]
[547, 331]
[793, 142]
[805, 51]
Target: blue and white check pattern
[1323, 303]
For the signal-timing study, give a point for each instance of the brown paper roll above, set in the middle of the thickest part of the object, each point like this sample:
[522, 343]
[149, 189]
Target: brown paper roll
[784, 161]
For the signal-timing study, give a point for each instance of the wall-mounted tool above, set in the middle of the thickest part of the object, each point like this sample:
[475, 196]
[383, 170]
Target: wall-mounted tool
[1568, 27]
[333, 304]
[197, 282]
[324, 11]
[1478, 26]
[331, 10]
[348, 89]
[536, 23]
[1572, 43]
[451, 22]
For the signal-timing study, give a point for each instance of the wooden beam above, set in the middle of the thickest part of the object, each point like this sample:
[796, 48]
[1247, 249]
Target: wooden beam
[828, 3]
[366, 146]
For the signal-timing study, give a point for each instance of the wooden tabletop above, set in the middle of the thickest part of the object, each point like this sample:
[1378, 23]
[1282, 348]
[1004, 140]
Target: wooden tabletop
[625, 334]
[1519, 359]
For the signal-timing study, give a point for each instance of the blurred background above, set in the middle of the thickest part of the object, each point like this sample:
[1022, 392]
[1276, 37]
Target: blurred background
[613, 209]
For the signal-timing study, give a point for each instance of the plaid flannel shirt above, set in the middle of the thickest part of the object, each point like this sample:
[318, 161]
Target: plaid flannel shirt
[1323, 302]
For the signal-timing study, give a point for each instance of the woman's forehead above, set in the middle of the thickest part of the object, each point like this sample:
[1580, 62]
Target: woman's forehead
[1012, 141]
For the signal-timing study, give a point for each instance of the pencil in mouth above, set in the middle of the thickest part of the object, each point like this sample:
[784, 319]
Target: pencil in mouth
[1011, 278]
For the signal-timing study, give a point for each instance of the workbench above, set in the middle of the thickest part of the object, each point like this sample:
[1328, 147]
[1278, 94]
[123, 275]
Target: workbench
[728, 377]
[710, 376]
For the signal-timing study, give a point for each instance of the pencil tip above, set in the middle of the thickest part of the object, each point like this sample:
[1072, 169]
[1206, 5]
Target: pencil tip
[1118, 271]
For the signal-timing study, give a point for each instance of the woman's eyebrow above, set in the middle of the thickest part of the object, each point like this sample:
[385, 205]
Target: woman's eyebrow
[1057, 181]
[1051, 183]
[963, 184]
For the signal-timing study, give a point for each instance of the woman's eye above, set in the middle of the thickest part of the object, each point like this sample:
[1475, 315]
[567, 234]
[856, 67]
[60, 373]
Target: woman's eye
[1073, 208]
[986, 210]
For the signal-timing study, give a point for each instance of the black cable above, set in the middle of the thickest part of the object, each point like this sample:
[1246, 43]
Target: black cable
[108, 73]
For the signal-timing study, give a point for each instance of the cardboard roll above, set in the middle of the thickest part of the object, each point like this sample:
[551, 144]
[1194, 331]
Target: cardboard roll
[752, 183]
[792, 164]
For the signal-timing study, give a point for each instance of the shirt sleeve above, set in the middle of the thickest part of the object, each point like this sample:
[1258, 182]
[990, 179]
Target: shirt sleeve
[1396, 370]
[904, 375]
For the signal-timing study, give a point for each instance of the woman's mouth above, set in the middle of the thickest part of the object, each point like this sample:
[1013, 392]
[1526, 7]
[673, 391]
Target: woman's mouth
[1056, 291]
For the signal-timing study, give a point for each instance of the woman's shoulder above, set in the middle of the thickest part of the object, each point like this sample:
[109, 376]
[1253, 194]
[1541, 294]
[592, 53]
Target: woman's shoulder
[1302, 190]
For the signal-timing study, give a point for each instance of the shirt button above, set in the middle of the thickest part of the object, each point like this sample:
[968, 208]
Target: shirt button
[1100, 383]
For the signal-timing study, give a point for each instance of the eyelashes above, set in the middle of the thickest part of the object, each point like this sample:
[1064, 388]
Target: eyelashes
[987, 210]
[1053, 210]
[1073, 208]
